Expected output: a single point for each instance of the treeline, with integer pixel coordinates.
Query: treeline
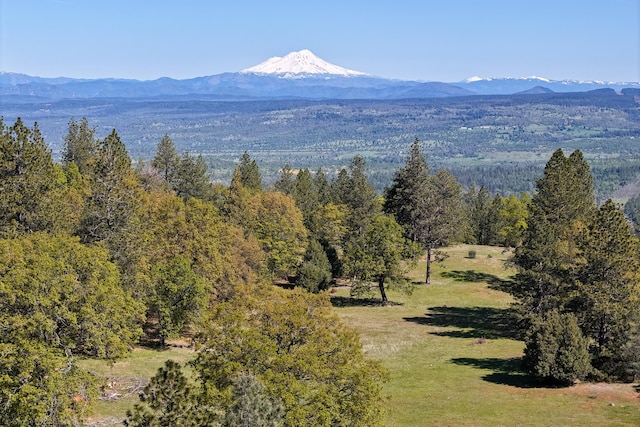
(95, 255)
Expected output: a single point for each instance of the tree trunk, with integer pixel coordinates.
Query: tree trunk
(428, 278)
(383, 294)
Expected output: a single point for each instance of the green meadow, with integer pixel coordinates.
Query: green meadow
(451, 352)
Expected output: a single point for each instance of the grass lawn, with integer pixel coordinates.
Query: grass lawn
(126, 378)
(454, 362)
(450, 351)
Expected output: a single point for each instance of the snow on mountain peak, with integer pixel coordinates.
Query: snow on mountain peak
(474, 79)
(299, 63)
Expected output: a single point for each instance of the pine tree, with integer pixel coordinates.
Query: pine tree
(27, 180)
(192, 178)
(284, 184)
(170, 401)
(166, 160)
(111, 204)
(406, 197)
(305, 195)
(323, 190)
(252, 406)
(608, 279)
(429, 207)
(79, 145)
(249, 173)
(360, 198)
(560, 208)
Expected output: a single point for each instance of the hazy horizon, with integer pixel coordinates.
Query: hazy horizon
(407, 40)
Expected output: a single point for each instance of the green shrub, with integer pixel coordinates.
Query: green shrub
(314, 274)
(556, 351)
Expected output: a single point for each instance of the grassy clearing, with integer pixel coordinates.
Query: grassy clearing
(450, 351)
(454, 361)
(125, 379)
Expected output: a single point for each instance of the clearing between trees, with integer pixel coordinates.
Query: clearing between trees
(451, 350)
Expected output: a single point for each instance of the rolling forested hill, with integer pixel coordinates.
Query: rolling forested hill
(497, 141)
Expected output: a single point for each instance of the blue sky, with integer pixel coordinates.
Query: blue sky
(443, 40)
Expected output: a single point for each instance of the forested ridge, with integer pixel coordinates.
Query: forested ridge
(499, 142)
(97, 255)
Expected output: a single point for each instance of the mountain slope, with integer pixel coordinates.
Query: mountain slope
(298, 75)
(300, 64)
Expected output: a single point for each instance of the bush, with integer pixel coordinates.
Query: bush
(315, 272)
(556, 350)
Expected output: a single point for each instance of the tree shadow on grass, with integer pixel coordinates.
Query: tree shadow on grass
(492, 280)
(474, 322)
(339, 301)
(505, 371)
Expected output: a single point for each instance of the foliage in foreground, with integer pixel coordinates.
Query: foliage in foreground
(299, 353)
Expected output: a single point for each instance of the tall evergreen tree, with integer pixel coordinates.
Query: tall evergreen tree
(360, 197)
(323, 190)
(111, 212)
(341, 188)
(284, 184)
(166, 160)
(110, 206)
(27, 179)
(607, 284)
(428, 206)
(481, 220)
(191, 179)
(560, 208)
(79, 145)
(305, 195)
(406, 197)
(249, 173)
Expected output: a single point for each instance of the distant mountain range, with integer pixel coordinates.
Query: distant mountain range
(298, 75)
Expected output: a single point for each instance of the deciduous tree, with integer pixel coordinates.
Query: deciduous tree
(377, 256)
(294, 344)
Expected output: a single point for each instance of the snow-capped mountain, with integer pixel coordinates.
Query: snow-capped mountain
(298, 75)
(512, 85)
(300, 64)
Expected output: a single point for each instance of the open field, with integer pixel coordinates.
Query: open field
(451, 353)
(454, 361)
